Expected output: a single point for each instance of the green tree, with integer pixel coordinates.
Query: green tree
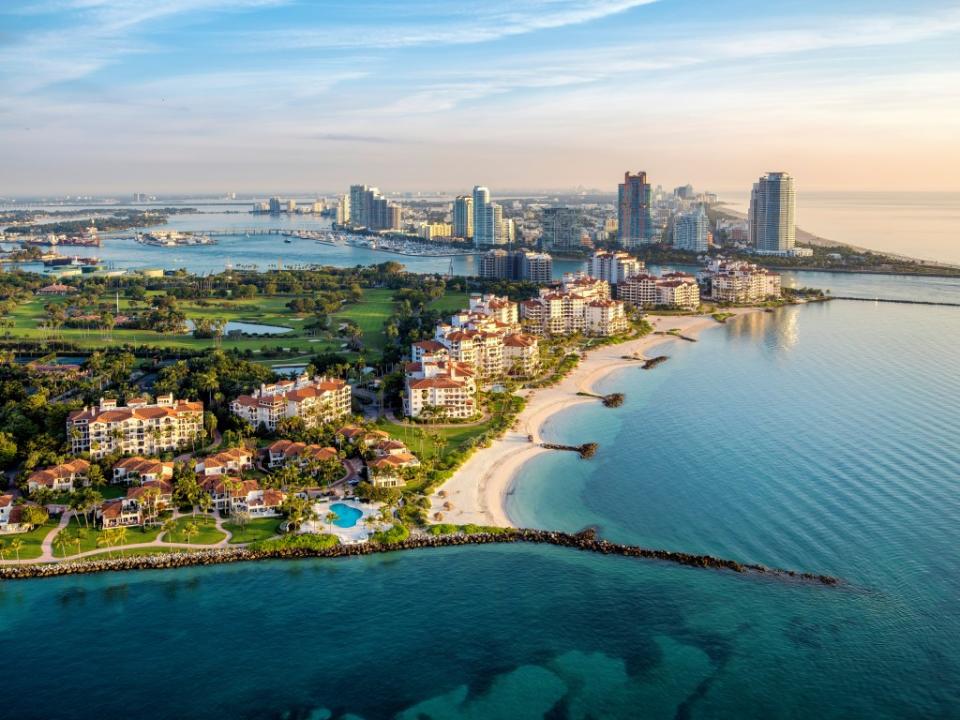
(8, 449)
(33, 515)
(16, 545)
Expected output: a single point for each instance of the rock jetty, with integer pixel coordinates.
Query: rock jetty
(586, 541)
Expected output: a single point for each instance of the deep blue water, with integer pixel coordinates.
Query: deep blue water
(820, 438)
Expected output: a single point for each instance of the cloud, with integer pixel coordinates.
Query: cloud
(484, 23)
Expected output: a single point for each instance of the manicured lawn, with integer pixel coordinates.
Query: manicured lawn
(263, 310)
(369, 314)
(257, 529)
(450, 302)
(208, 533)
(31, 541)
(89, 538)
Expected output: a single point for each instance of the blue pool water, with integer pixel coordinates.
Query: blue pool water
(347, 516)
(822, 438)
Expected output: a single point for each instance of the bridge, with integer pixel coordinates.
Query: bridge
(892, 300)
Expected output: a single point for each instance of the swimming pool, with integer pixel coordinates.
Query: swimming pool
(347, 516)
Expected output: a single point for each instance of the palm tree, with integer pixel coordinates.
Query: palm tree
(331, 517)
(76, 541)
(190, 532)
(60, 543)
(206, 503)
(105, 539)
(121, 537)
(3, 548)
(167, 527)
(16, 545)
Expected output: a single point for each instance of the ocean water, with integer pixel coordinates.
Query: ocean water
(821, 438)
(916, 224)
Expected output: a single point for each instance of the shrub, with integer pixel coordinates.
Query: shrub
(396, 534)
(305, 541)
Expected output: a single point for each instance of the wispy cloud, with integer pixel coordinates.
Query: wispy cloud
(484, 23)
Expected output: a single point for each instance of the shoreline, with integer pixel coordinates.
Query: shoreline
(586, 541)
(478, 491)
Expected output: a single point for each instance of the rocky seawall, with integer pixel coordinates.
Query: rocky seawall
(586, 541)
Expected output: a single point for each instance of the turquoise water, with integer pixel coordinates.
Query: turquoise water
(347, 516)
(822, 438)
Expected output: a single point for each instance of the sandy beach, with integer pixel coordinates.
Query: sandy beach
(477, 492)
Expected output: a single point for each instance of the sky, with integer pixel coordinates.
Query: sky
(169, 96)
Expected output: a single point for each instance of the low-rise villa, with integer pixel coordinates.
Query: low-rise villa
(141, 470)
(120, 513)
(356, 435)
(283, 452)
(141, 503)
(392, 456)
(10, 516)
(60, 478)
(232, 495)
(225, 462)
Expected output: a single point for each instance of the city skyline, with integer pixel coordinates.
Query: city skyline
(111, 96)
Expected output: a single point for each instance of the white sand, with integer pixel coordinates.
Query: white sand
(477, 491)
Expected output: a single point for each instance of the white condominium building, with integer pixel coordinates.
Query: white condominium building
(741, 282)
(499, 308)
(615, 267)
(605, 318)
(585, 286)
(440, 389)
(678, 290)
(674, 290)
(139, 427)
(521, 354)
(317, 400)
(581, 305)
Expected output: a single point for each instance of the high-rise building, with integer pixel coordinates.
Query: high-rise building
(517, 265)
(343, 210)
(463, 217)
(772, 212)
(635, 222)
(396, 216)
(684, 192)
(275, 206)
(690, 230)
(562, 229)
(487, 219)
(371, 210)
(615, 267)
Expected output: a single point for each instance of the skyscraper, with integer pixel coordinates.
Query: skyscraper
(633, 210)
(463, 217)
(690, 230)
(370, 209)
(772, 212)
(487, 219)
(562, 229)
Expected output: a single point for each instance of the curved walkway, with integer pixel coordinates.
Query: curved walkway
(389, 414)
(46, 546)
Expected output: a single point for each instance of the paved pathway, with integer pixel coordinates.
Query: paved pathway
(46, 554)
(46, 547)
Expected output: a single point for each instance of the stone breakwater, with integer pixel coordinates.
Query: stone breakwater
(586, 541)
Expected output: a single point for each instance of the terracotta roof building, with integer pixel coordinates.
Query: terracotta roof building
(139, 427)
(317, 401)
(60, 478)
